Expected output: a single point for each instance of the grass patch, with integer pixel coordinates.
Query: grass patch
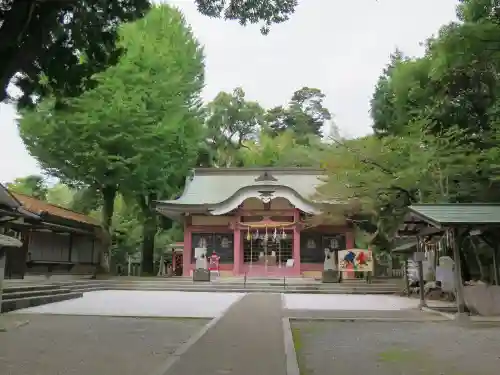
(398, 355)
(297, 343)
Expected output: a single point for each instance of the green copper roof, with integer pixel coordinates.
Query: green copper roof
(209, 186)
(470, 213)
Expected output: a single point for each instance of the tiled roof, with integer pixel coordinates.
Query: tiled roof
(215, 185)
(39, 207)
(464, 213)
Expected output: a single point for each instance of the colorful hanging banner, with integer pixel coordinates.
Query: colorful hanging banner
(360, 260)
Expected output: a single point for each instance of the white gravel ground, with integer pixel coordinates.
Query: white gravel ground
(142, 303)
(351, 302)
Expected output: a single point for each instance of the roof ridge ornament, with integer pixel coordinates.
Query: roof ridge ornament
(266, 176)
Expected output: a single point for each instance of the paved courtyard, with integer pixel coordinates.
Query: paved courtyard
(139, 332)
(389, 348)
(84, 345)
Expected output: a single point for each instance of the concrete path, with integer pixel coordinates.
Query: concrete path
(247, 340)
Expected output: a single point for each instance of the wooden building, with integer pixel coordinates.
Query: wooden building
(54, 240)
(254, 220)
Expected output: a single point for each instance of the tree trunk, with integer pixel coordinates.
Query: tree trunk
(149, 228)
(108, 196)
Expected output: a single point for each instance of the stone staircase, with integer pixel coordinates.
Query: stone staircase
(18, 295)
(269, 285)
(23, 296)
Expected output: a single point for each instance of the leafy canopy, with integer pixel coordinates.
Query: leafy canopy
(149, 101)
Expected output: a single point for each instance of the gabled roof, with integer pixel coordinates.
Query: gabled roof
(458, 213)
(7, 199)
(42, 208)
(212, 186)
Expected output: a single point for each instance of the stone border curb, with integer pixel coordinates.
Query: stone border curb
(174, 357)
(443, 314)
(292, 366)
(367, 319)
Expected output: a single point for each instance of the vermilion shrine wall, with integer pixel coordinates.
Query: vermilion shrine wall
(220, 227)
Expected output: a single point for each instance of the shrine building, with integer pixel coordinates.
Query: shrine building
(254, 220)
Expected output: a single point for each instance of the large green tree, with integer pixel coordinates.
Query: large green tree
(436, 128)
(137, 132)
(231, 120)
(32, 185)
(266, 12)
(305, 115)
(54, 47)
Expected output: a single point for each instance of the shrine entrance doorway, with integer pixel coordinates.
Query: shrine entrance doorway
(268, 256)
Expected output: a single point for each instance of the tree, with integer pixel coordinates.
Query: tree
(246, 12)
(231, 120)
(33, 185)
(281, 151)
(55, 47)
(436, 122)
(137, 132)
(378, 178)
(305, 115)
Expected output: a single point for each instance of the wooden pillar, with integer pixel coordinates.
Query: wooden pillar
(419, 257)
(188, 247)
(496, 276)
(2, 271)
(459, 287)
(296, 242)
(237, 255)
(70, 246)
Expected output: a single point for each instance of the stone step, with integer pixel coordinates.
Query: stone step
(219, 287)
(29, 288)
(22, 303)
(9, 294)
(214, 283)
(240, 289)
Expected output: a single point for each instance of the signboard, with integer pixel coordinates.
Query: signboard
(359, 260)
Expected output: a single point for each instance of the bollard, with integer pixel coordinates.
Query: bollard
(245, 281)
(284, 282)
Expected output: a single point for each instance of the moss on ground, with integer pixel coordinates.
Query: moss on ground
(297, 343)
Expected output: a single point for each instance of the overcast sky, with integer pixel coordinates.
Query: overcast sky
(337, 46)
